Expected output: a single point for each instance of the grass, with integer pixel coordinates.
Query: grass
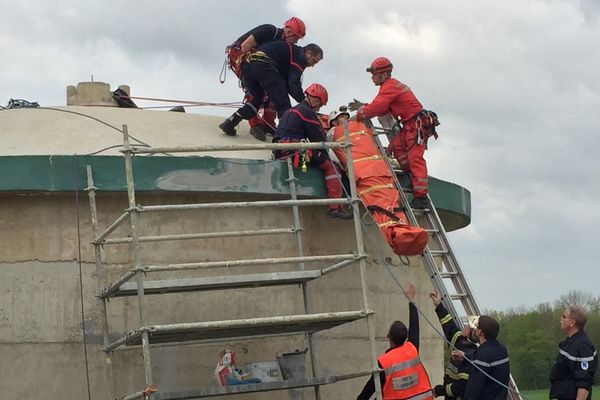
(542, 394)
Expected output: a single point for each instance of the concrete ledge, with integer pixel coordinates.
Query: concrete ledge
(53, 173)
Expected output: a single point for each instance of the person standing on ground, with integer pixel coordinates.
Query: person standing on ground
(457, 372)
(403, 376)
(490, 375)
(573, 372)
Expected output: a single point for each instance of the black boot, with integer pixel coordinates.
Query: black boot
(258, 132)
(228, 126)
(419, 203)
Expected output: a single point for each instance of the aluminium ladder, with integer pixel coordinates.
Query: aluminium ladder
(439, 259)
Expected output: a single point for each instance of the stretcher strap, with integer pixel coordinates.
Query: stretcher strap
(369, 158)
(376, 187)
(341, 139)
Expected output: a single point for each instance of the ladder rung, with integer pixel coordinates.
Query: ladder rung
(437, 253)
(448, 274)
(432, 231)
(458, 296)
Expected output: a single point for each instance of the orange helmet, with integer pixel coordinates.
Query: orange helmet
(380, 64)
(296, 26)
(318, 91)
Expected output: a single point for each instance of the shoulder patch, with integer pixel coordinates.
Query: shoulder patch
(585, 365)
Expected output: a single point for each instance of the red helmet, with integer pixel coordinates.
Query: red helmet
(380, 64)
(296, 26)
(318, 91)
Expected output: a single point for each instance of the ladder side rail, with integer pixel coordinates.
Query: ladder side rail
(450, 259)
(430, 265)
(135, 247)
(302, 267)
(363, 265)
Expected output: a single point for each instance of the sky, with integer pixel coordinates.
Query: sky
(515, 83)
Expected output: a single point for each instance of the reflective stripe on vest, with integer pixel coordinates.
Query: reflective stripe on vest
(492, 364)
(573, 358)
(402, 365)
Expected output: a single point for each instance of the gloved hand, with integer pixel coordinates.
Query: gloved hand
(439, 390)
(354, 105)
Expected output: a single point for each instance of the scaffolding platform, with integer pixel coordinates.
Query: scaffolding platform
(240, 328)
(219, 282)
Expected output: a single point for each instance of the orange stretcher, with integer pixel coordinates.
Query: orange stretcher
(377, 190)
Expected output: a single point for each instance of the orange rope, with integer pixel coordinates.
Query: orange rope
(198, 103)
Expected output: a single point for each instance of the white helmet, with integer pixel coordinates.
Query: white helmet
(335, 114)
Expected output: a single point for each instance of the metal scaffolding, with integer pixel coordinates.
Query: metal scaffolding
(133, 283)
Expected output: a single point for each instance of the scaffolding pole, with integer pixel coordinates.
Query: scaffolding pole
(263, 146)
(135, 247)
(302, 267)
(363, 265)
(100, 279)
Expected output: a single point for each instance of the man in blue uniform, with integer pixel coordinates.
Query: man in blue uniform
(457, 372)
(292, 31)
(573, 372)
(490, 357)
(274, 69)
(301, 123)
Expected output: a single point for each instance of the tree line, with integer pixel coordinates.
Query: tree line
(532, 336)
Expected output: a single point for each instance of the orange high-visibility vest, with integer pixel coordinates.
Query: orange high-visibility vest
(405, 376)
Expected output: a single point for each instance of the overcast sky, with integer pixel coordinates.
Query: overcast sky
(516, 85)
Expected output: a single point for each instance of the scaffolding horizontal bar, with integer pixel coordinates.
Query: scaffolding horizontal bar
(248, 262)
(244, 204)
(256, 387)
(210, 330)
(111, 228)
(211, 235)
(219, 282)
(257, 146)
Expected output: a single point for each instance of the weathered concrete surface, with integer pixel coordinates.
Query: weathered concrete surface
(40, 302)
(76, 130)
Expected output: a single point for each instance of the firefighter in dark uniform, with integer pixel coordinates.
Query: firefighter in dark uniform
(401, 361)
(572, 375)
(292, 31)
(274, 69)
(457, 372)
(490, 357)
(301, 123)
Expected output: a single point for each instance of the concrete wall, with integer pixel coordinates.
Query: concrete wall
(40, 297)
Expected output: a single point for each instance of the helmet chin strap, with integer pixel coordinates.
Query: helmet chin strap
(310, 102)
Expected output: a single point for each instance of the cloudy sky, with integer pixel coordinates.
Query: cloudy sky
(516, 85)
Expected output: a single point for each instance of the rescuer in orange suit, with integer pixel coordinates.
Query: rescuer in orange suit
(293, 30)
(408, 147)
(302, 124)
(403, 376)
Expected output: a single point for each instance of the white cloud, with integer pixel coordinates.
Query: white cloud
(515, 85)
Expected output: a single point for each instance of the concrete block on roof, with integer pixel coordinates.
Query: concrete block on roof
(92, 94)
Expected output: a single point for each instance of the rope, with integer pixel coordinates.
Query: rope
(85, 351)
(236, 104)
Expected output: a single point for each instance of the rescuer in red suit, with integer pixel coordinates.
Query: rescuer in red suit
(407, 146)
